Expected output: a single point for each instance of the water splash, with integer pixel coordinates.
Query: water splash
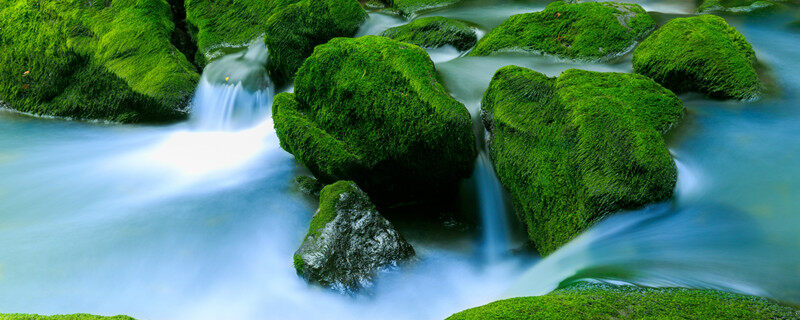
(235, 91)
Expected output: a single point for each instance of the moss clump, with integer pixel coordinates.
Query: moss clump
(309, 185)
(411, 7)
(737, 6)
(588, 301)
(591, 30)
(701, 53)
(225, 23)
(78, 316)
(294, 31)
(374, 111)
(93, 60)
(329, 202)
(434, 32)
(574, 148)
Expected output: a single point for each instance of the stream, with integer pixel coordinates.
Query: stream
(200, 219)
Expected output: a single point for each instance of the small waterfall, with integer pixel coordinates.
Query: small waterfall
(235, 91)
(496, 239)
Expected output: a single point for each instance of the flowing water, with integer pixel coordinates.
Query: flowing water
(199, 220)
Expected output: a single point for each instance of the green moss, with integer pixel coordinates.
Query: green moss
(411, 7)
(90, 60)
(575, 148)
(737, 6)
(587, 301)
(701, 53)
(434, 32)
(294, 31)
(78, 316)
(591, 30)
(374, 111)
(309, 185)
(329, 198)
(226, 23)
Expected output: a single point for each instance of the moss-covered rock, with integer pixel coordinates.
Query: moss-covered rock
(294, 31)
(411, 7)
(348, 241)
(77, 316)
(374, 111)
(596, 301)
(591, 30)
(291, 28)
(93, 60)
(702, 54)
(216, 24)
(434, 32)
(737, 6)
(575, 148)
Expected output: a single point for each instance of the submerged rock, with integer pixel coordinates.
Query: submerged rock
(435, 32)
(591, 30)
(348, 241)
(575, 148)
(373, 110)
(294, 31)
(309, 185)
(702, 54)
(96, 60)
(600, 301)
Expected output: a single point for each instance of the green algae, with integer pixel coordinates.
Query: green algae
(434, 32)
(597, 301)
(575, 148)
(702, 54)
(590, 30)
(373, 110)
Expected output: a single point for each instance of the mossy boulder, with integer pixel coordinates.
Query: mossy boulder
(94, 60)
(598, 301)
(590, 30)
(702, 54)
(411, 7)
(293, 32)
(373, 110)
(77, 316)
(291, 28)
(217, 24)
(348, 241)
(310, 186)
(435, 32)
(575, 148)
(737, 6)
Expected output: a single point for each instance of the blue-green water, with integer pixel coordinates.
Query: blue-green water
(188, 222)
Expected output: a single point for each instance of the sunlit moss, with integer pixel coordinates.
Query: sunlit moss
(595, 301)
(575, 148)
(411, 7)
(701, 53)
(590, 30)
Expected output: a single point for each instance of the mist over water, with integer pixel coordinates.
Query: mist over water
(199, 220)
